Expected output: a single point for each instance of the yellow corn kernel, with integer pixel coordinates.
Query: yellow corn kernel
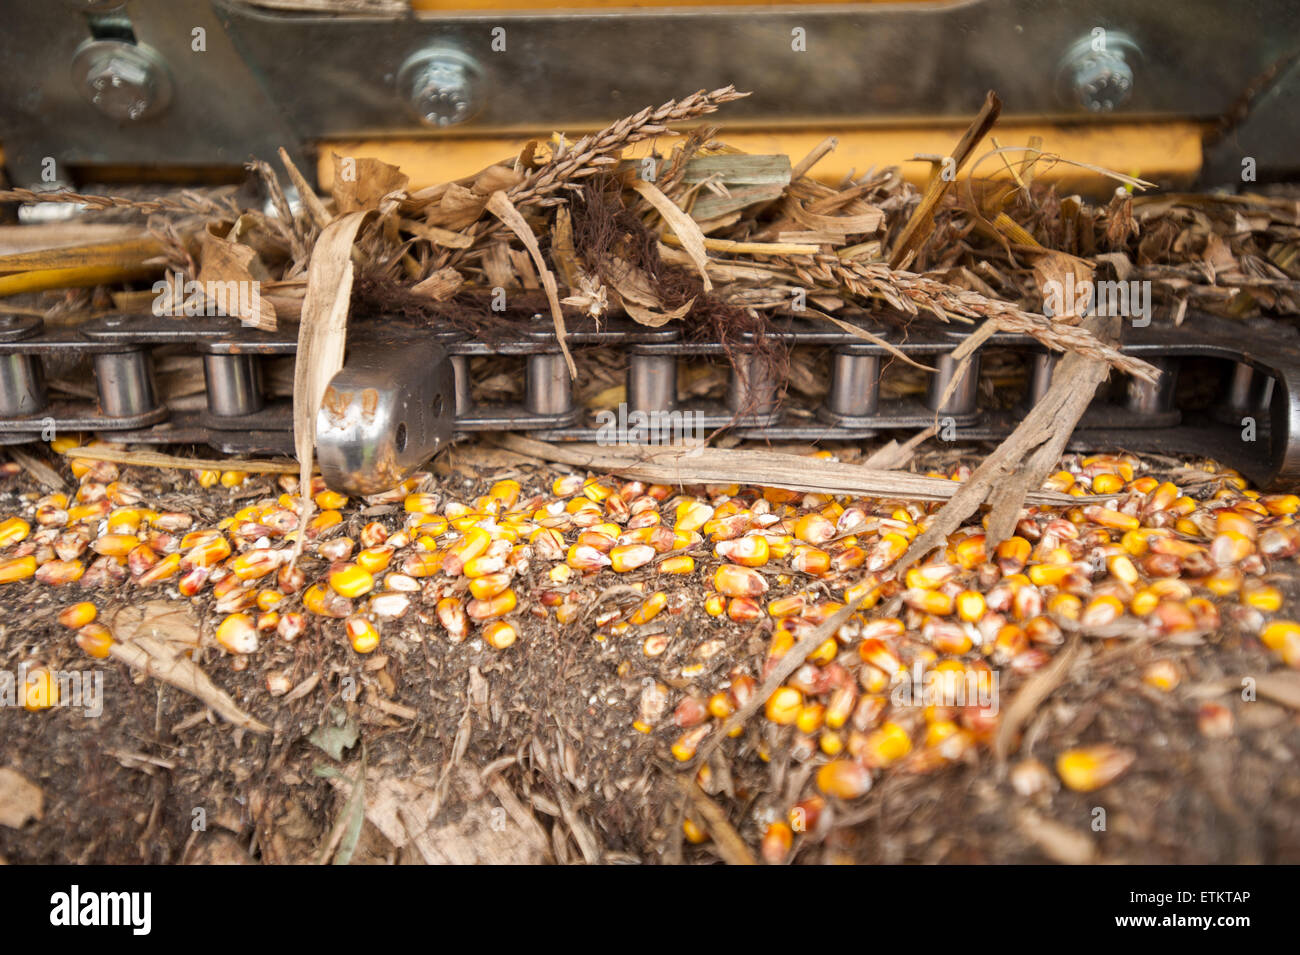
(1012, 554)
(747, 551)
(810, 560)
(95, 640)
(375, 559)
(1049, 575)
(1107, 484)
(677, 564)
(692, 515)
(1264, 597)
(269, 599)
(352, 581)
(474, 542)
(814, 529)
(495, 606)
(784, 705)
(165, 569)
(1122, 569)
(434, 525)
(971, 551)
(489, 585)
(627, 557)
(323, 522)
(1162, 674)
(254, 564)
(1279, 633)
(13, 530)
(1144, 485)
(715, 605)
(971, 605)
(41, 690)
(1060, 481)
(787, 606)
(362, 634)
(55, 573)
(736, 581)
(810, 719)
(1092, 767)
(1108, 517)
(933, 602)
(1102, 610)
(649, 608)
(317, 599)
(66, 443)
(328, 500)
(233, 478)
(499, 634)
(238, 633)
(1281, 504)
(88, 512)
(689, 742)
(720, 705)
(885, 745)
(207, 478)
(1065, 605)
(844, 779)
(78, 615)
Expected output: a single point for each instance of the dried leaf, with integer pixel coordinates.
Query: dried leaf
(501, 207)
(685, 228)
(229, 267)
(361, 185)
(20, 799)
(322, 336)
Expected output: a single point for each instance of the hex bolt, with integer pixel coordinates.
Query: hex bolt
(124, 81)
(442, 87)
(1096, 72)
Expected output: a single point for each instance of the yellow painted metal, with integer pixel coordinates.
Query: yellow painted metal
(1165, 152)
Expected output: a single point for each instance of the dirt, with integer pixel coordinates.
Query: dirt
(529, 754)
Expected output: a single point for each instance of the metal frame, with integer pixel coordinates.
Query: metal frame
(270, 78)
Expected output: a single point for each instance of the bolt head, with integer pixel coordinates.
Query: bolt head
(121, 80)
(442, 87)
(1103, 82)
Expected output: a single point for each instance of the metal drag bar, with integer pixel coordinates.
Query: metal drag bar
(414, 368)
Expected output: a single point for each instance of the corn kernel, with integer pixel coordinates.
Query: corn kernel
(1092, 767)
(237, 633)
(78, 615)
(677, 564)
(41, 690)
(352, 581)
(784, 705)
(362, 634)
(844, 779)
(95, 640)
(13, 531)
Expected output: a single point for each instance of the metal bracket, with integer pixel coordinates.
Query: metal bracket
(384, 414)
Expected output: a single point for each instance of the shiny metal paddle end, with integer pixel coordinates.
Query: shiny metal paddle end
(387, 411)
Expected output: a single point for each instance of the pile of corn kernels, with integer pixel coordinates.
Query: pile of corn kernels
(778, 562)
